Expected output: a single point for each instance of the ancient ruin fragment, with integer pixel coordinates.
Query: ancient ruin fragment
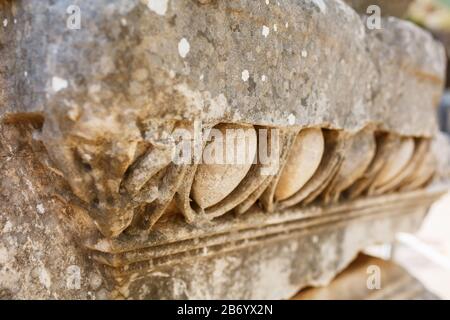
(337, 123)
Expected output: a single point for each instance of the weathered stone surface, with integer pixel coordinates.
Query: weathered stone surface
(89, 118)
(300, 248)
(398, 62)
(320, 65)
(40, 234)
(112, 92)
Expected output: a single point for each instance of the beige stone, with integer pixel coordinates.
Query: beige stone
(421, 151)
(303, 161)
(423, 174)
(396, 162)
(357, 151)
(213, 182)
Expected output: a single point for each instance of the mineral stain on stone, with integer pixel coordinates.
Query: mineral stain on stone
(158, 6)
(245, 75)
(183, 47)
(265, 31)
(59, 84)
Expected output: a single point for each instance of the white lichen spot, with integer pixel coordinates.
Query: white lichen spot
(123, 22)
(265, 31)
(159, 274)
(25, 74)
(275, 27)
(40, 208)
(287, 25)
(59, 84)
(158, 6)
(263, 78)
(183, 47)
(267, 2)
(15, 21)
(245, 75)
(291, 119)
(5, 23)
(304, 53)
(201, 77)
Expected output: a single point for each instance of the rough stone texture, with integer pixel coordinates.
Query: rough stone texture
(111, 92)
(40, 252)
(256, 257)
(320, 65)
(42, 236)
(86, 122)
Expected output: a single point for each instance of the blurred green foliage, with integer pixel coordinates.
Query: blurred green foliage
(445, 2)
(431, 14)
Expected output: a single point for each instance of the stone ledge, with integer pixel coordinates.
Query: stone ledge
(311, 257)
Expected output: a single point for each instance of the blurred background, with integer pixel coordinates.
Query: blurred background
(431, 14)
(426, 255)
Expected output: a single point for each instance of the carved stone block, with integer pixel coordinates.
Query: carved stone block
(105, 131)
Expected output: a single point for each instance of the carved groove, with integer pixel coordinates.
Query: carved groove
(350, 165)
(147, 257)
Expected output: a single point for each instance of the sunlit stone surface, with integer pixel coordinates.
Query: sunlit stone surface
(91, 203)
